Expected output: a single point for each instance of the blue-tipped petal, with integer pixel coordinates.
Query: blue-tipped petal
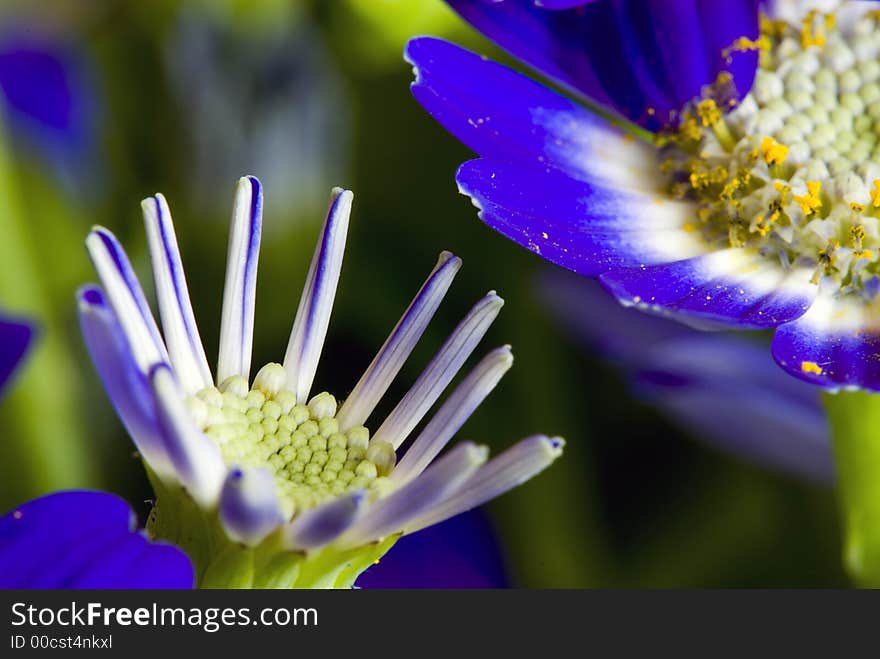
(644, 59)
(397, 347)
(178, 321)
(729, 288)
(249, 506)
(314, 528)
(728, 392)
(587, 227)
(15, 337)
(504, 115)
(82, 539)
(835, 345)
(313, 314)
(124, 382)
(240, 289)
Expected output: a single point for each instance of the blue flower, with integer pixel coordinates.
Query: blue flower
(48, 97)
(719, 387)
(289, 487)
(754, 204)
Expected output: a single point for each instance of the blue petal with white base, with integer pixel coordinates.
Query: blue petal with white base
(641, 58)
(836, 344)
(584, 226)
(83, 539)
(728, 288)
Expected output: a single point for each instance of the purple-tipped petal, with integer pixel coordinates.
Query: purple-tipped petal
(729, 288)
(514, 467)
(644, 59)
(124, 382)
(587, 227)
(197, 462)
(178, 321)
(321, 525)
(440, 371)
(729, 393)
(397, 348)
(316, 303)
(451, 416)
(249, 506)
(835, 344)
(82, 539)
(503, 115)
(560, 4)
(16, 335)
(240, 289)
(126, 298)
(393, 513)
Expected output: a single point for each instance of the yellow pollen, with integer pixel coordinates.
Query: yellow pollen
(773, 152)
(708, 112)
(875, 194)
(810, 202)
(689, 227)
(810, 34)
(744, 44)
(857, 208)
(811, 367)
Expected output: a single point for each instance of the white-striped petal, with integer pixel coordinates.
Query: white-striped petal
(316, 303)
(197, 461)
(126, 297)
(249, 507)
(452, 414)
(397, 348)
(515, 466)
(240, 288)
(439, 373)
(393, 513)
(182, 338)
(321, 525)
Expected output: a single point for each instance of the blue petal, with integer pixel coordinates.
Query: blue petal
(461, 552)
(504, 115)
(729, 392)
(82, 539)
(834, 345)
(727, 288)
(15, 337)
(249, 506)
(643, 58)
(587, 227)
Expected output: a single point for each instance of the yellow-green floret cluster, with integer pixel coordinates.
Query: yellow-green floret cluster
(794, 169)
(302, 445)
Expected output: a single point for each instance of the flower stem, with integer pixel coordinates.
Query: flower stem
(855, 429)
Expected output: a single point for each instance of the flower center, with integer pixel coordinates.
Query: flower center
(794, 170)
(301, 445)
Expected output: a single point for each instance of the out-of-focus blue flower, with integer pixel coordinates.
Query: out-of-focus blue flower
(15, 337)
(722, 388)
(48, 98)
(462, 552)
(83, 540)
(754, 205)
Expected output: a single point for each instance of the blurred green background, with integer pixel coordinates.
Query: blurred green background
(185, 97)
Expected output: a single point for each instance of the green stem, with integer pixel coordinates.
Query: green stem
(855, 430)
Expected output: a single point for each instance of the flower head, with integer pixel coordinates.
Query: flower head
(288, 487)
(751, 206)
